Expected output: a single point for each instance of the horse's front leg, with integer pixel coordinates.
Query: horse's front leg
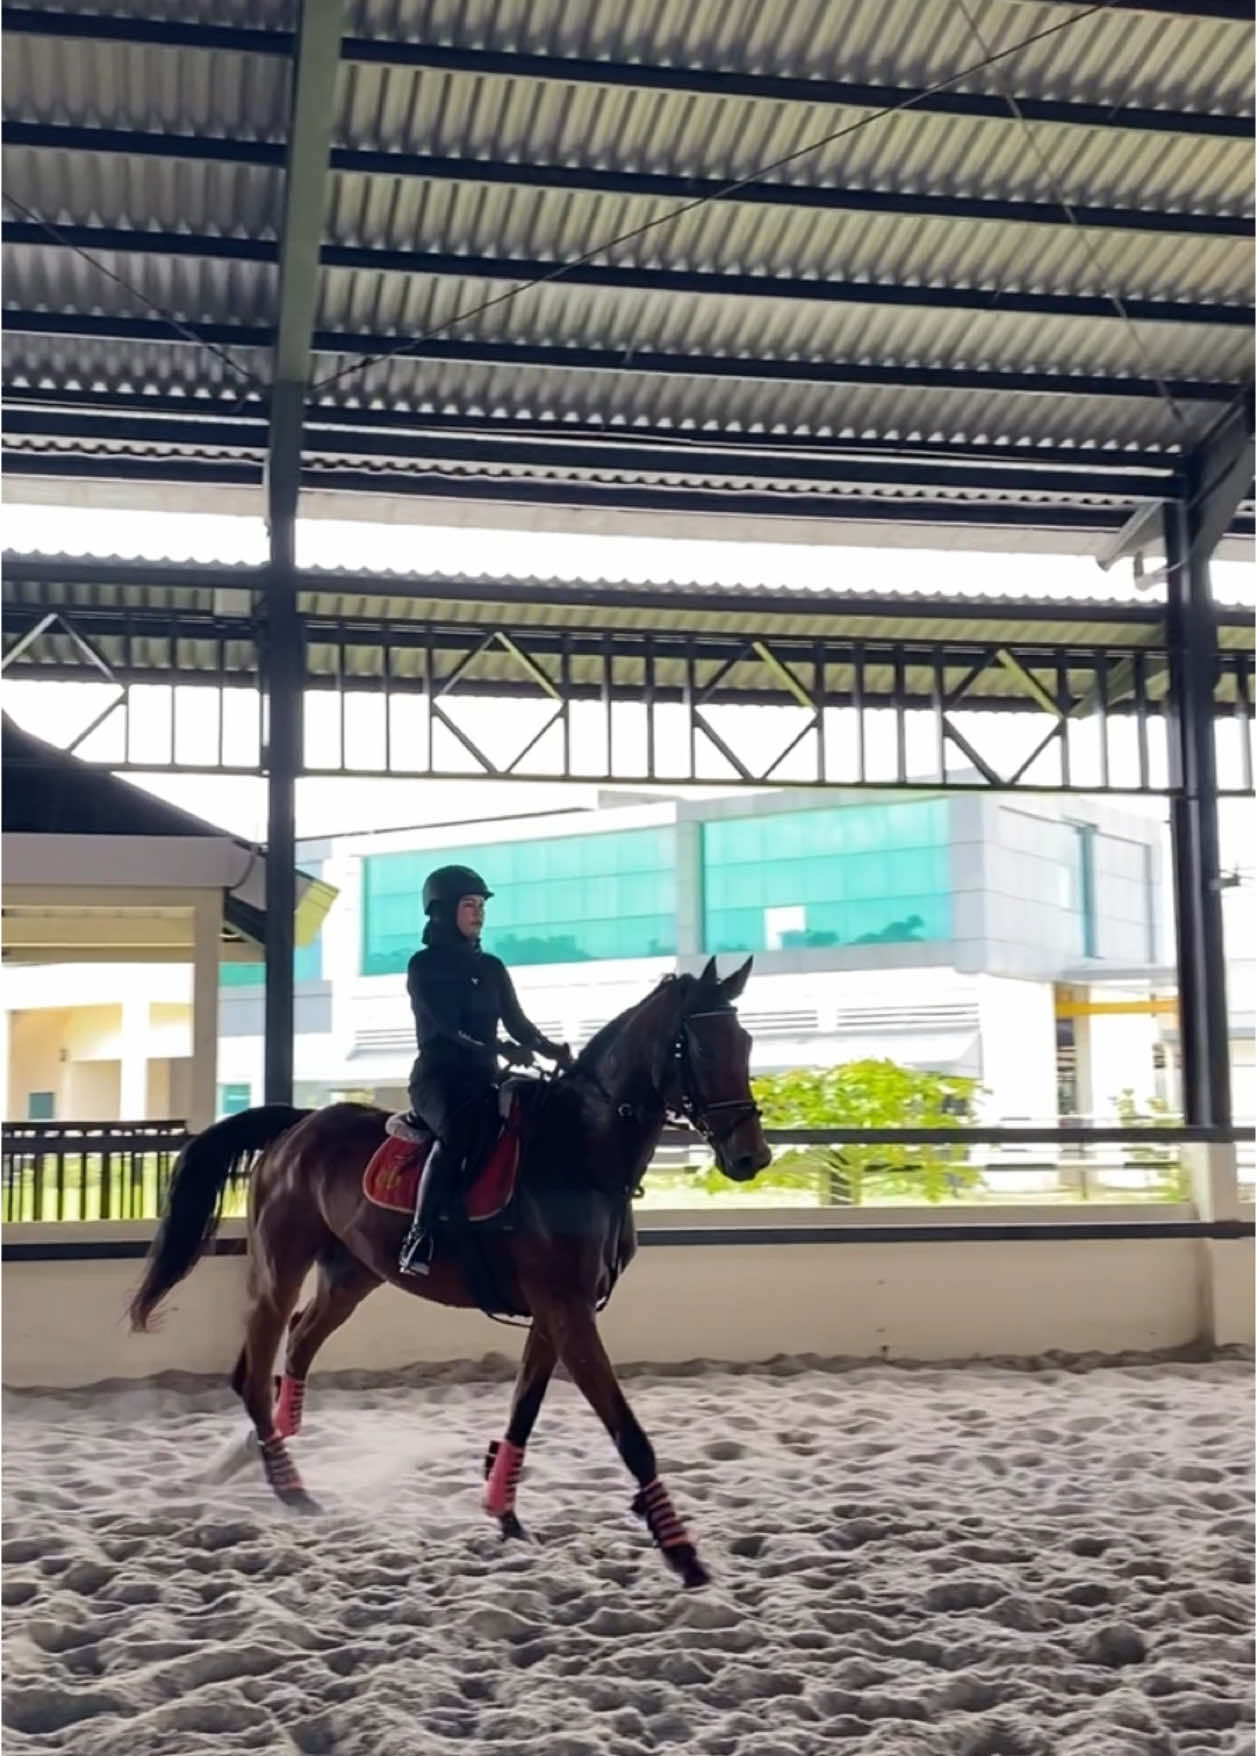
(505, 1457)
(581, 1351)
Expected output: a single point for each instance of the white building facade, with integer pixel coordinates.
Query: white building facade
(1015, 940)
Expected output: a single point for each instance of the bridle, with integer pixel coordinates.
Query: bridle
(692, 1112)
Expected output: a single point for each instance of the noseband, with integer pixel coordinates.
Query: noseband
(691, 1111)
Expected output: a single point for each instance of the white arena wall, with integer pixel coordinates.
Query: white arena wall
(940, 1298)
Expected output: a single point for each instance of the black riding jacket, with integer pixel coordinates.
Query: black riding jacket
(459, 995)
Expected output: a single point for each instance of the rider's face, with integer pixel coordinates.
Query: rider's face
(470, 916)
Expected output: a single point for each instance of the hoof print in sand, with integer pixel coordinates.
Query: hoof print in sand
(881, 1589)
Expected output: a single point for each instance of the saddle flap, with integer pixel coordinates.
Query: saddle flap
(391, 1178)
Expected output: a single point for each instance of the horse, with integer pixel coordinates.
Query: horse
(587, 1137)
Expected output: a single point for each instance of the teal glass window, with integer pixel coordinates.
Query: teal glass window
(567, 899)
(41, 1106)
(846, 875)
(232, 1099)
(307, 960)
(1086, 887)
(307, 966)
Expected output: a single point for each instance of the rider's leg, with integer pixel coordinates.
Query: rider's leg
(462, 1113)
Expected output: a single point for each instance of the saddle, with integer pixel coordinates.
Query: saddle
(391, 1178)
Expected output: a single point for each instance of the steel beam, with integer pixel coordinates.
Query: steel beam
(1192, 637)
(618, 277)
(1142, 530)
(314, 78)
(428, 662)
(638, 361)
(1222, 471)
(637, 185)
(282, 666)
(527, 68)
(526, 491)
(675, 439)
(1230, 11)
(69, 572)
(618, 449)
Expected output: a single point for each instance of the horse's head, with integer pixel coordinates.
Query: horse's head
(710, 1079)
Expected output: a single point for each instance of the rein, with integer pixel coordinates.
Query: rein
(691, 1112)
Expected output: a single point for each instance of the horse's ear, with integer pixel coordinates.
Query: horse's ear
(709, 976)
(732, 986)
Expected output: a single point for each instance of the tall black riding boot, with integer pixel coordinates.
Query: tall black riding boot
(438, 1175)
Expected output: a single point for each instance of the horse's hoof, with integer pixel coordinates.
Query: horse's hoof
(683, 1559)
(299, 1501)
(512, 1529)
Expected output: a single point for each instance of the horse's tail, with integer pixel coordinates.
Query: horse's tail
(194, 1204)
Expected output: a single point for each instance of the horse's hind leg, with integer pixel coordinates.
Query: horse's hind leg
(283, 1245)
(266, 1324)
(581, 1350)
(505, 1458)
(343, 1284)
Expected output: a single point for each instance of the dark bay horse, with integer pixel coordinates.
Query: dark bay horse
(588, 1137)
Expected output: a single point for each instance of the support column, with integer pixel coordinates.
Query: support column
(205, 954)
(1191, 631)
(283, 675)
(316, 57)
(1192, 527)
(133, 1060)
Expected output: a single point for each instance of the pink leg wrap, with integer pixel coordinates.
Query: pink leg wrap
(499, 1494)
(292, 1396)
(281, 1471)
(656, 1508)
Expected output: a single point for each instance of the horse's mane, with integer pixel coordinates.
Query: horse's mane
(610, 1032)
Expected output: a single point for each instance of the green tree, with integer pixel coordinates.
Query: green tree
(1172, 1182)
(866, 1094)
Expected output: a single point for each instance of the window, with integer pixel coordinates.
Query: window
(850, 875)
(569, 899)
(232, 1099)
(41, 1106)
(307, 966)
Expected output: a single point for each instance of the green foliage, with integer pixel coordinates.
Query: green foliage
(1173, 1183)
(865, 1094)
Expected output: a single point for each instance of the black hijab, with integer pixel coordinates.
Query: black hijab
(441, 934)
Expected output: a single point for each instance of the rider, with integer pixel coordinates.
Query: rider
(458, 994)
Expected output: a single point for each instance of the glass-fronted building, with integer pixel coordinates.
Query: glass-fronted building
(561, 899)
(962, 932)
(808, 880)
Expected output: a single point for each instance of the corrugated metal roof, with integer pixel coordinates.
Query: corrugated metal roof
(51, 581)
(478, 116)
(1112, 57)
(403, 306)
(468, 218)
(732, 406)
(485, 112)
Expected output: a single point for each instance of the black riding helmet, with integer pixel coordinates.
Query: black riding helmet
(448, 885)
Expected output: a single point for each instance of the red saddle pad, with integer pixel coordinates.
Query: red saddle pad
(391, 1179)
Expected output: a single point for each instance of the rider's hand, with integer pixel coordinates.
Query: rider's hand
(561, 1055)
(515, 1055)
